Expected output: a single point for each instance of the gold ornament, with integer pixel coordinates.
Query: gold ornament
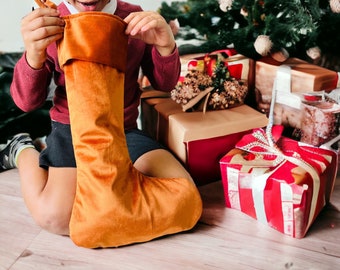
(280, 55)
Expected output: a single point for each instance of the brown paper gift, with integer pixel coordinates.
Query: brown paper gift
(149, 116)
(309, 116)
(305, 78)
(200, 140)
(154, 113)
(164, 110)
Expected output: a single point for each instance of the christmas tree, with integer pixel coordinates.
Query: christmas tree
(307, 29)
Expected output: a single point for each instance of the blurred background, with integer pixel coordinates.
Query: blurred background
(12, 11)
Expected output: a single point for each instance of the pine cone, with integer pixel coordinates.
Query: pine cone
(194, 82)
(234, 94)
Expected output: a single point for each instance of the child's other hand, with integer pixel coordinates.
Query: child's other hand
(152, 28)
(39, 29)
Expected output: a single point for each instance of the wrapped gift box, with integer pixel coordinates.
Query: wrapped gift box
(200, 140)
(312, 117)
(164, 110)
(319, 122)
(239, 66)
(195, 93)
(191, 136)
(285, 188)
(233, 61)
(148, 115)
(305, 78)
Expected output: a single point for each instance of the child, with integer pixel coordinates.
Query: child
(48, 179)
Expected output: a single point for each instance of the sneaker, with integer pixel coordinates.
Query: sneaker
(2, 147)
(14, 146)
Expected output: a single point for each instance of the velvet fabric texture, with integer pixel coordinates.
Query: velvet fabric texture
(115, 204)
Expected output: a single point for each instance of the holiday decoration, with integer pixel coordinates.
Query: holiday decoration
(293, 27)
(285, 185)
(263, 45)
(280, 55)
(314, 53)
(335, 5)
(225, 5)
(194, 83)
(208, 85)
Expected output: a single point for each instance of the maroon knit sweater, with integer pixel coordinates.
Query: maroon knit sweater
(29, 88)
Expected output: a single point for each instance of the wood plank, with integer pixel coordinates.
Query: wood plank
(323, 236)
(205, 248)
(17, 229)
(224, 239)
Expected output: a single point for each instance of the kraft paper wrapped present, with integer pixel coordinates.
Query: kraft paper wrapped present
(285, 185)
(200, 140)
(312, 117)
(164, 110)
(305, 78)
(149, 116)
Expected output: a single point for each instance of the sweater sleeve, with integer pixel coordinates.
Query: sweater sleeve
(29, 88)
(162, 71)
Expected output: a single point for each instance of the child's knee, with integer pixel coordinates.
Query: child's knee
(53, 221)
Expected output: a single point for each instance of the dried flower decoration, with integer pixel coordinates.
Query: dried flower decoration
(203, 91)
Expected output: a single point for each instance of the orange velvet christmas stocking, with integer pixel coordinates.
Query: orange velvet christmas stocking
(114, 204)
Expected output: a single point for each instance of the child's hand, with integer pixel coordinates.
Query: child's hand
(39, 29)
(152, 28)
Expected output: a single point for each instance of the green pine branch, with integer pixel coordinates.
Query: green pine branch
(295, 25)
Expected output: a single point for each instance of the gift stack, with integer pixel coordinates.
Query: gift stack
(303, 105)
(200, 139)
(277, 180)
(305, 78)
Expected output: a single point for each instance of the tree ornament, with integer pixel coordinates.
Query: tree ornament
(314, 53)
(244, 11)
(225, 5)
(263, 45)
(280, 55)
(335, 5)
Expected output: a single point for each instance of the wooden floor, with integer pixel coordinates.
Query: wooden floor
(223, 239)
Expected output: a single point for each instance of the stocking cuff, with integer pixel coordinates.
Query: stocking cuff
(104, 32)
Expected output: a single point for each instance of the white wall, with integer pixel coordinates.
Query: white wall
(11, 12)
(148, 4)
